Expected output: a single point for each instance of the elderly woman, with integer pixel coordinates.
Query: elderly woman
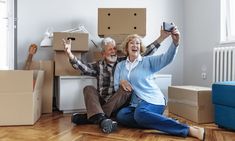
(147, 105)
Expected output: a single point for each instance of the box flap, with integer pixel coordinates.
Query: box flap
(38, 77)
(37, 104)
(48, 84)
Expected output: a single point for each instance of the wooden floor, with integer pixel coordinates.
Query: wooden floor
(57, 127)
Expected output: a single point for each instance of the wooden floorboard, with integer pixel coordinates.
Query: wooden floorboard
(57, 127)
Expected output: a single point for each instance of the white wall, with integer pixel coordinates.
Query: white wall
(34, 17)
(201, 35)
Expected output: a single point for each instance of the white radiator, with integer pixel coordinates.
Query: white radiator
(224, 64)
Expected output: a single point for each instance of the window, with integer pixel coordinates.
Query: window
(227, 21)
(7, 56)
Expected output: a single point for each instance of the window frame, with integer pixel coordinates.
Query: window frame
(10, 35)
(226, 36)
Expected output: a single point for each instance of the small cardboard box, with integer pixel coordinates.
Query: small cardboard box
(20, 96)
(63, 66)
(191, 102)
(121, 21)
(79, 41)
(48, 84)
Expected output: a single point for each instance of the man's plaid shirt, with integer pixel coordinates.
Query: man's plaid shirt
(105, 72)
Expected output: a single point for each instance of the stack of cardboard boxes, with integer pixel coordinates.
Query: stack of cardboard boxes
(63, 69)
(79, 45)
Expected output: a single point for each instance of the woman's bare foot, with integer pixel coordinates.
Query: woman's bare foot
(197, 132)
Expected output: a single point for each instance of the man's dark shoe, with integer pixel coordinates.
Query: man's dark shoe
(108, 125)
(77, 118)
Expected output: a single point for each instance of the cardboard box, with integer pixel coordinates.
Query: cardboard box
(96, 56)
(191, 102)
(48, 84)
(20, 96)
(113, 21)
(79, 41)
(63, 66)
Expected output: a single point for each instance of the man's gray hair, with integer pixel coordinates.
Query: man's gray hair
(106, 41)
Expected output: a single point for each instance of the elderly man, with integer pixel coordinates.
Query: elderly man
(103, 101)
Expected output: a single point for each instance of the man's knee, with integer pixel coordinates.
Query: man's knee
(89, 90)
(123, 93)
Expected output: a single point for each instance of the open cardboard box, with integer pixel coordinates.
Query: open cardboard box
(20, 96)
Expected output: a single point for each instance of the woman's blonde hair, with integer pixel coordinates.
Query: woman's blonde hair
(128, 39)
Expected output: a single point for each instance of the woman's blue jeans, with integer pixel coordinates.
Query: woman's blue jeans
(150, 116)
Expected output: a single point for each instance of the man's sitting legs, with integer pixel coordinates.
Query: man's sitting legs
(95, 114)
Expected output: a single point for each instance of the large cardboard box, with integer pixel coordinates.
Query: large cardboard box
(79, 40)
(20, 96)
(48, 84)
(63, 66)
(191, 102)
(121, 21)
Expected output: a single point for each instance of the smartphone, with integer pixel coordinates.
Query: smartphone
(168, 26)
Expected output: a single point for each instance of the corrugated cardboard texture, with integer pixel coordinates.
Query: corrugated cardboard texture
(63, 66)
(47, 90)
(79, 41)
(121, 21)
(20, 106)
(191, 102)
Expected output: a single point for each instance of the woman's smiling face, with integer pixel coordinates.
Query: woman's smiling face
(134, 48)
